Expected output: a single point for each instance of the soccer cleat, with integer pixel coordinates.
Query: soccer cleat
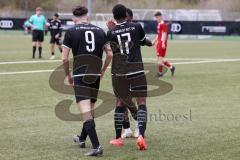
(158, 75)
(52, 57)
(76, 139)
(141, 143)
(172, 70)
(117, 142)
(136, 132)
(95, 152)
(127, 133)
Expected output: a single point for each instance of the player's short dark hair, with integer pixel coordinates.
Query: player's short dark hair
(79, 11)
(119, 12)
(56, 15)
(158, 14)
(129, 12)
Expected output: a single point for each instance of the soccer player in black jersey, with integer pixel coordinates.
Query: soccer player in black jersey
(128, 77)
(56, 33)
(87, 43)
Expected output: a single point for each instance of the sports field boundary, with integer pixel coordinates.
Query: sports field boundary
(147, 59)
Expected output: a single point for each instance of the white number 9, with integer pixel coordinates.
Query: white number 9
(90, 41)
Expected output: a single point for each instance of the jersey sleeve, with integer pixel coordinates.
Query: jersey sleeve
(142, 33)
(67, 42)
(163, 28)
(60, 28)
(31, 19)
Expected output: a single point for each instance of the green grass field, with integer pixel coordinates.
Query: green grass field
(210, 92)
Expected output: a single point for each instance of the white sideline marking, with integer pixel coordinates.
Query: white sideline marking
(176, 63)
(30, 62)
(151, 59)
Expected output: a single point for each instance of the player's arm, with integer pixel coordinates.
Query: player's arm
(108, 59)
(65, 54)
(154, 41)
(30, 22)
(164, 36)
(143, 38)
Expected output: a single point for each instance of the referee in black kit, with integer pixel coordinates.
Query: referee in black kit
(87, 43)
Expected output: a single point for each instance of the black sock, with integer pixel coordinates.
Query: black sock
(118, 120)
(40, 51)
(53, 53)
(33, 51)
(142, 119)
(91, 131)
(83, 135)
(133, 110)
(126, 124)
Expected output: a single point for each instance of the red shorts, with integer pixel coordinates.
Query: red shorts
(160, 51)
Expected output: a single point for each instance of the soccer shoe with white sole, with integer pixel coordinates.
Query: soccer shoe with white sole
(117, 142)
(136, 132)
(141, 143)
(76, 139)
(127, 133)
(95, 152)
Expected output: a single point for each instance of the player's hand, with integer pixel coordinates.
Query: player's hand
(57, 36)
(34, 27)
(163, 46)
(70, 80)
(110, 24)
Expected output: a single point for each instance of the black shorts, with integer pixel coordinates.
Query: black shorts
(130, 86)
(37, 36)
(54, 40)
(86, 87)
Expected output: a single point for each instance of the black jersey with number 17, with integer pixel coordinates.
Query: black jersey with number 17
(85, 39)
(126, 39)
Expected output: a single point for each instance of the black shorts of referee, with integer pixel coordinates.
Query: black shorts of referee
(37, 36)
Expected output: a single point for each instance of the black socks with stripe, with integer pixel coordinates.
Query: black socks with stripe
(118, 120)
(142, 119)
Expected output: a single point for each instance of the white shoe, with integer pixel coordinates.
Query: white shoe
(127, 133)
(136, 132)
(52, 57)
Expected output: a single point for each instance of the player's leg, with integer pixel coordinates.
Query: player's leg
(40, 49)
(89, 126)
(142, 122)
(52, 48)
(118, 122)
(34, 43)
(40, 40)
(133, 110)
(59, 44)
(81, 138)
(139, 90)
(160, 65)
(169, 66)
(127, 133)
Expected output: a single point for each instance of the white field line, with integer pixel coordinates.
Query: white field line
(150, 59)
(176, 63)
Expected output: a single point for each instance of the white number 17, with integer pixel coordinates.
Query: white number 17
(126, 42)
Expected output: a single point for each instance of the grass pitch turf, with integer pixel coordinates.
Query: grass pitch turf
(206, 93)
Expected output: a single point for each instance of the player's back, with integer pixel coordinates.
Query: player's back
(84, 39)
(125, 40)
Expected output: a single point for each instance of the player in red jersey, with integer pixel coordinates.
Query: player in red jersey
(161, 40)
